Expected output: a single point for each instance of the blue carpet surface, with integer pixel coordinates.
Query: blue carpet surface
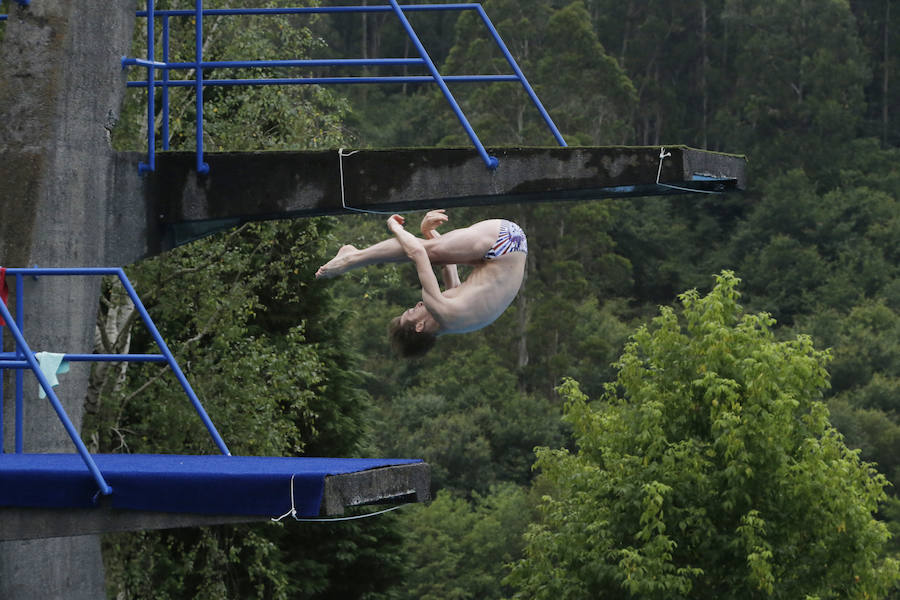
(217, 484)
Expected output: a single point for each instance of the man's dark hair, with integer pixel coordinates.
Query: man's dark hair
(407, 342)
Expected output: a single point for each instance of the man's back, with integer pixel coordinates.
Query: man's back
(484, 295)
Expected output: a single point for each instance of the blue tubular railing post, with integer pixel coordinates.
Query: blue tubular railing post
(165, 87)
(150, 165)
(490, 161)
(202, 167)
(148, 322)
(515, 67)
(57, 406)
(20, 376)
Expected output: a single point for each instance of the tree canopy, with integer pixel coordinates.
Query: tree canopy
(708, 468)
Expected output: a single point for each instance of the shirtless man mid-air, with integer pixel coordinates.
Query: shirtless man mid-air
(496, 249)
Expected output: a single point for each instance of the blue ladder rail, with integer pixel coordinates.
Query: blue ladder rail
(424, 60)
(24, 359)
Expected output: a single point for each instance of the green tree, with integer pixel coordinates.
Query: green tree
(798, 94)
(466, 418)
(239, 312)
(464, 546)
(675, 55)
(804, 250)
(577, 276)
(708, 469)
(878, 22)
(865, 400)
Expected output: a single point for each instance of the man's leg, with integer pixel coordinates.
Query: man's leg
(463, 246)
(457, 247)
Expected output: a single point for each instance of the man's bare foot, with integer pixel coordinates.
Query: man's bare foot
(337, 265)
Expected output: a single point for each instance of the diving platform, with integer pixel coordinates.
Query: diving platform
(44, 495)
(53, 495)
(246, 186)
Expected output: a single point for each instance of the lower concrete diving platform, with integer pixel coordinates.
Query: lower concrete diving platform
(59, 495)
(53, 495)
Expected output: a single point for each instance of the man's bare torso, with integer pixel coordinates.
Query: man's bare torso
(488, 290)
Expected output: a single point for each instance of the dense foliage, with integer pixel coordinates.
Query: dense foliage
(290, 365)
(708, 468)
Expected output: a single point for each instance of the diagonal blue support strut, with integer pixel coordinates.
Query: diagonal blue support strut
(139, 306)
(520, 75)
(24, 358)
(20, 376)
(105, 489)
(490, 161)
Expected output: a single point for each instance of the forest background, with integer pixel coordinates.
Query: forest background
(289, 365)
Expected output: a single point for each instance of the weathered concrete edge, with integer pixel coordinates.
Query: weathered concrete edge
(257, 185)
(411, 483)
(39, 523)
(715, 164)
(396, 484)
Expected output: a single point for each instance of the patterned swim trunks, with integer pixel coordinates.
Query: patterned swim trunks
(510, 239)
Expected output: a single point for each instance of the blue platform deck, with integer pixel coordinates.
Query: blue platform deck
(216, 484)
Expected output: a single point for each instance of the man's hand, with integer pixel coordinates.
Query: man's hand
(432, 221)
(395, 223)
(411, 244)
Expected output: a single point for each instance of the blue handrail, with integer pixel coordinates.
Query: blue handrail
(24, 359)
(424, 60)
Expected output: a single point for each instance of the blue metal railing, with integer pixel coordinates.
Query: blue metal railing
(199, 82)
(24, 359)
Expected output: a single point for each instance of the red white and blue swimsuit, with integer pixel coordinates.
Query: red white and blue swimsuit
(510, 239)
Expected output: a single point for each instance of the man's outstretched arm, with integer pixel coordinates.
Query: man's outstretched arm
(415, 251)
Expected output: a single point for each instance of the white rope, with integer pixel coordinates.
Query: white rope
(664, 155)
(341, 155)
(293, 512)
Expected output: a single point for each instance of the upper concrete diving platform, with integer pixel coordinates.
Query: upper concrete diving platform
(270, 185)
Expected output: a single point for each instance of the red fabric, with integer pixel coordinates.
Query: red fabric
(4, 291)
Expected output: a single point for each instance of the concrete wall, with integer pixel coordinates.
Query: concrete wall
(61, 87)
